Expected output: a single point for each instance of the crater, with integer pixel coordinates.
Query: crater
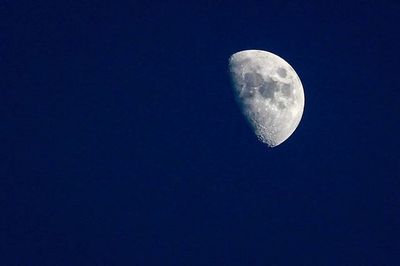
(281, 72)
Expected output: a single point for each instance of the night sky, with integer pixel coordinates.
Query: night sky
(122, 143)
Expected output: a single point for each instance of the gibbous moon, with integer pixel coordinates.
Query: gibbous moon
(269, 93)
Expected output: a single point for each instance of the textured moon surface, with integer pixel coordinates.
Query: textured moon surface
(269, 93)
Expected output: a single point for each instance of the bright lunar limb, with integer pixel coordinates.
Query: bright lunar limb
(269, 93)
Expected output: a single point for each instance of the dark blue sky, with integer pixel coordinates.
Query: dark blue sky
(122, 143)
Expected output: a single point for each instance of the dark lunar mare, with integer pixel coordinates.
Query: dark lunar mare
(268, 89)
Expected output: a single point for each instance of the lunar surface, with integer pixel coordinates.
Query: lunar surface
(269, 93)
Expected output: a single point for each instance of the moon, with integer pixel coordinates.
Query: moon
(269, 93)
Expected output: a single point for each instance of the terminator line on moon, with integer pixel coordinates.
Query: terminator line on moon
(269, 93)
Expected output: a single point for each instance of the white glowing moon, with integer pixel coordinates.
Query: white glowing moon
(269, 92)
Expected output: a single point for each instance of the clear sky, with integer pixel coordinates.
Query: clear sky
(122, 144)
